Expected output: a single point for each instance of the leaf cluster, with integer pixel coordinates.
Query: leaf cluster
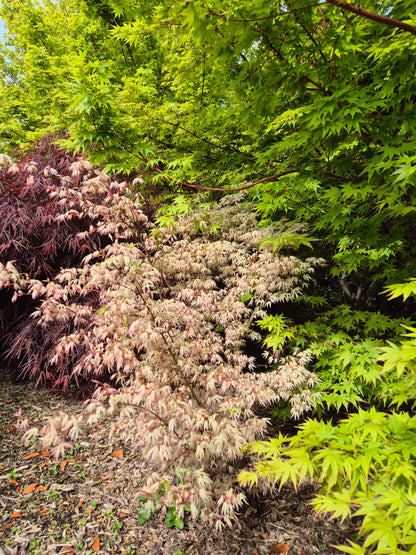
(148, 509)
(366, 463)
(366, 466)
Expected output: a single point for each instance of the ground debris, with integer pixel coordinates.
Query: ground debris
(89, 500)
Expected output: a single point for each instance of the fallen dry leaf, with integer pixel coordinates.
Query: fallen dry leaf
(46, 453)
(117, 454)
(42, 488)
(15, 515)
(29, 488)
(31, 456)
(67, 549)
(96, 545)
(280, 548)
(122, 515)
(63, 464)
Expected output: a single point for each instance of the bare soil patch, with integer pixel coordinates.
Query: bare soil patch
(87, 503)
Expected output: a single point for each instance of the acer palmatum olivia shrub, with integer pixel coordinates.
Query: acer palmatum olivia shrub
(164, 320)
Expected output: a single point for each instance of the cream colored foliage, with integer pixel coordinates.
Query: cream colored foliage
(175, 312)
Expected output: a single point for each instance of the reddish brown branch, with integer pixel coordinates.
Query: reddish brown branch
(202, 188)
(227, 148)
(272, 16)
(374, 17)
(171, 21)
(314, 42)
(339, 178)
(306, 78)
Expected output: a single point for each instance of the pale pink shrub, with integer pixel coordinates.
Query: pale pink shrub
(163, 321)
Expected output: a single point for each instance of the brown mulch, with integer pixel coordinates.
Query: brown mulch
(87, 503)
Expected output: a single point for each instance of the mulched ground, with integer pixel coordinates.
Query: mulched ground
(87, 503)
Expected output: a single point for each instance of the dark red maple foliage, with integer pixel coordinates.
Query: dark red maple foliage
(32, 235)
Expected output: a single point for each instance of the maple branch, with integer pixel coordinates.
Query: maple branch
(339, 178)
(159, 27)
(374, 17)
(315, 43)
(308, 80)
(272, 16)
(270, 44)
(227, 148)
(173, 356)
(202, 188)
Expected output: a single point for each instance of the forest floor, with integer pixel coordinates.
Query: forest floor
(87, 503)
